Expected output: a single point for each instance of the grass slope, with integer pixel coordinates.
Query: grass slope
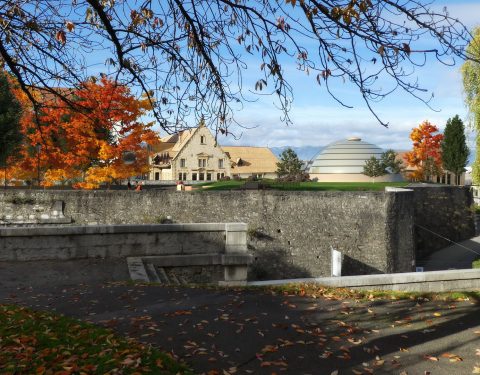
(39, 343)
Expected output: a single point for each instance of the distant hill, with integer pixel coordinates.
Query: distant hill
(305, 153)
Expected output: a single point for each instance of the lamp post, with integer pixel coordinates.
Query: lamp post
(38, 148)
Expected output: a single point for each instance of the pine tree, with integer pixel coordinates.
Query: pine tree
(289, 164)
(454, 147)
(10, 113)
(390, 162)
(373, 168)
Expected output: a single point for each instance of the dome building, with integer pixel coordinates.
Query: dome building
(343, 161)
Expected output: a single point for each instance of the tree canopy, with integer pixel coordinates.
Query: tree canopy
(189, 57)
(10, 113)
(426, 155)
(454, 147)
(289, 165)
(390, 162)
(86, 148)
(471, 86)
(374, 168)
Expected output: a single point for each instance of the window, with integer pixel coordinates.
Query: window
(157, 176)
(182, 176)
(202, 139)
(209, 177)
(194, 177)
(218, 176)
(220, 163)
(201, 176)
(182, 163)
(202, 163)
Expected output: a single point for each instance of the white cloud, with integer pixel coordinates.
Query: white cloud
(321, 125)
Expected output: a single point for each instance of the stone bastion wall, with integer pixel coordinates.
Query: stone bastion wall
(290, 234)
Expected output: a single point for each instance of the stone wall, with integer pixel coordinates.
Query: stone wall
(218, 251)
(290, 233)
(441, 213)
(113, 241)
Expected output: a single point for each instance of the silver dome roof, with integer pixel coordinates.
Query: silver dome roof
(346, 156)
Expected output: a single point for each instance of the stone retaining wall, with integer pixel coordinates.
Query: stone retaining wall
(441, 213)
(290, 233)
(172, 245)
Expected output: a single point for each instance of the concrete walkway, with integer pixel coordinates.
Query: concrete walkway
(239, 331)
(458, 256)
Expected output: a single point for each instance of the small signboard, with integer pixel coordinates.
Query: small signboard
(419, 269)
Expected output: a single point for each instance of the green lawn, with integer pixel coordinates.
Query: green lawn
(312, 186)
(43, 343)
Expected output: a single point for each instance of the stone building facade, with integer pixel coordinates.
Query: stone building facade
(190, 155)
(194, 155)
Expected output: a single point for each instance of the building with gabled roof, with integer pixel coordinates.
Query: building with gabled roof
(189, 155)
(248, 161)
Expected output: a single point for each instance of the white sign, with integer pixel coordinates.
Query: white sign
(336, 262)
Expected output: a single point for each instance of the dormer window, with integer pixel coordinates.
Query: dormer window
(202, 140)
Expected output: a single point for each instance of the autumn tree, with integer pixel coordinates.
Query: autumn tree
(454, 148)
(86, 147)
(188, 57)
(426, 155)
(10, 135)
(471, 86)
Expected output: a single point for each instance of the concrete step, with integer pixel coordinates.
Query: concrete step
(175, 279)
(163, 276)
(152, 273)
(137, 270)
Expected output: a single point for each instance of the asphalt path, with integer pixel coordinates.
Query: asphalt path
(237, 331)
(457, 256)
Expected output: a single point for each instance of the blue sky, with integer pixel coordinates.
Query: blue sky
(318, 119)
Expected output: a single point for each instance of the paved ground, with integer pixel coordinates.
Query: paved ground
(458, 256)
(252, 332)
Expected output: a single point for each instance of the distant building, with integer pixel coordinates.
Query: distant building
(189, 155)
(247, 162)
(343, 161)
(446, 178)
(193, 155)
